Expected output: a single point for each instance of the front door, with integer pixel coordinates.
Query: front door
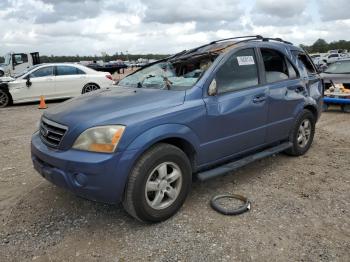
(237, 114)
(41, 83)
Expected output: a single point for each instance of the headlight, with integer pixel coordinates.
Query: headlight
(103, 139)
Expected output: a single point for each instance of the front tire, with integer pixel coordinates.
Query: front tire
(302, 134)
(158, 184)
(5, 98)
(2, 73)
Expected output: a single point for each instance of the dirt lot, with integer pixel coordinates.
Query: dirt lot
(300, 209)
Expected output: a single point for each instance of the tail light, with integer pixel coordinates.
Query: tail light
(109, 77)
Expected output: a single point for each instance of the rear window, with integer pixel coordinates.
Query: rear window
(340, 67)
(304, 59)
(277, 66)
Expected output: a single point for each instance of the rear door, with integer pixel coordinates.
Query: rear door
(237, 114)
(69, 81)
(286, 93)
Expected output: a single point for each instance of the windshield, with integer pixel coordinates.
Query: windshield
(339, 67)
(27, 70)
(169, 75)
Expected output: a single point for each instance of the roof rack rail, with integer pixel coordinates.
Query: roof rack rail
(237, 37)
(276, 39)
(250, 37)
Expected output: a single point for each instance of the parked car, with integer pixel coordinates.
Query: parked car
(200, 113)
(337, 85)
(53, 81)
(338, 72)
(110, 67)
(333, 57)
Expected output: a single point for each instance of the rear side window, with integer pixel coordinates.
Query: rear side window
(277, 66)
(42, 72)
(304, 59)
(238, 72)
(68, 70)
(291, 70)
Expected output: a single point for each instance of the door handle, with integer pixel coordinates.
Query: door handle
(259, 98)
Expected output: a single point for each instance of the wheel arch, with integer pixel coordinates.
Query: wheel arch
(313, 110)
(177, 135)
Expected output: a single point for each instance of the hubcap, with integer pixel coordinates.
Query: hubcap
(3, 99)
(163, 185)
(89, 88)
(304, 133)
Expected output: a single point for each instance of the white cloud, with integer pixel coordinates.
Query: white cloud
(88, 27)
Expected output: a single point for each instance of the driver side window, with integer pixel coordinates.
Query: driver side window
(20, 59)
(238, 72)
(42, 72)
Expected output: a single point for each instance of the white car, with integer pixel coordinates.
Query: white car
(53, 81)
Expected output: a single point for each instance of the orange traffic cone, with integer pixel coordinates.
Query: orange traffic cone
(42, 104)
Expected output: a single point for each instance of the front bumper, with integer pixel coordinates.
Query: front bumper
(95, 176)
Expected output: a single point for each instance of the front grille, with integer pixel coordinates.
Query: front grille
(51, 133)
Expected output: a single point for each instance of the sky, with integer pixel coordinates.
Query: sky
(90, 27)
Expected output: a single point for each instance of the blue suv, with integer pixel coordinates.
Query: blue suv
(200, 113)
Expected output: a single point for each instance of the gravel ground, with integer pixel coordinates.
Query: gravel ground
(300, 209)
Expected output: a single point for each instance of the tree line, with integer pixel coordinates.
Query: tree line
(104, 56)
(321, 46)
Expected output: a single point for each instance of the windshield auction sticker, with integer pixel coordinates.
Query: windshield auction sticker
(245, 60)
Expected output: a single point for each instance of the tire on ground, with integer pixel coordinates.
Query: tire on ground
(296, 149)
(135, 202)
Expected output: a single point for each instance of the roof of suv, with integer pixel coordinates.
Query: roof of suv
(223, 45)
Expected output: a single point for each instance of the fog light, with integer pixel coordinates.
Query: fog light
(80, 179)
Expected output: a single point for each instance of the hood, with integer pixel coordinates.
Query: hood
(115, 105)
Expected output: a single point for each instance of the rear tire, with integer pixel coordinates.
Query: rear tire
(89, 88)
(5, 98)
(158, 184)
(2, 73)
(302, 134)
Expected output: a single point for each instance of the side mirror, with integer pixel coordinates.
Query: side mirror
(28, 83)
(212, 90)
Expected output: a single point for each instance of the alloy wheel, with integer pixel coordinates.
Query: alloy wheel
(304, 133)
(163, 185)
(90, 87)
